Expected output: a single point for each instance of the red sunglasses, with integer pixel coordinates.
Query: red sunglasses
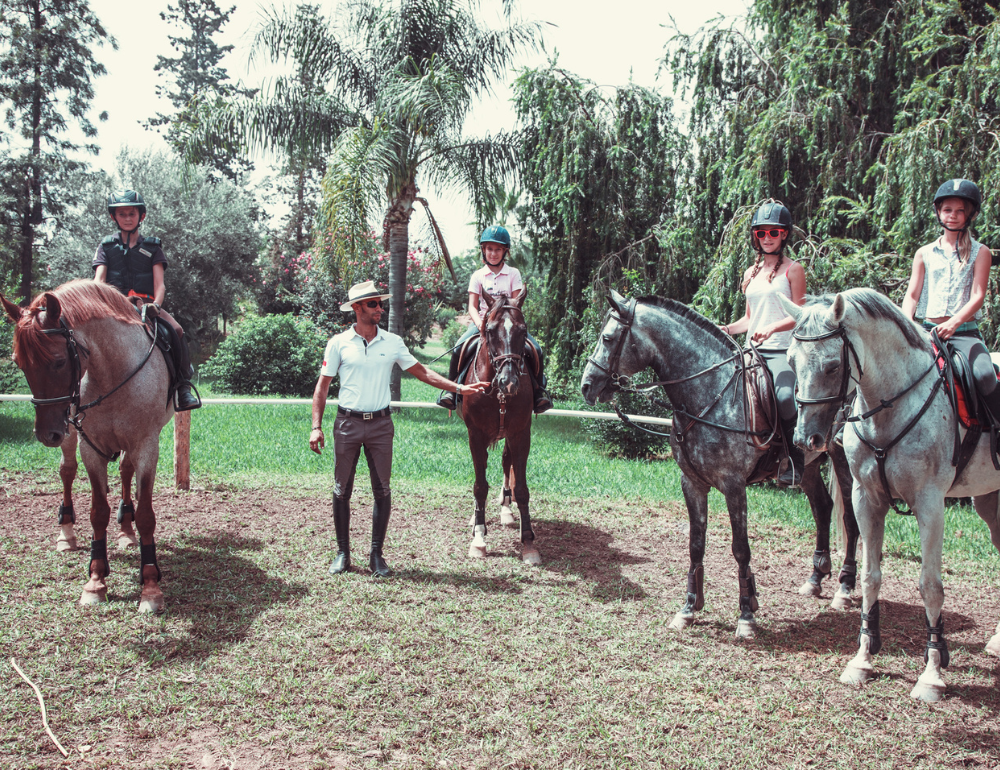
(776, 233)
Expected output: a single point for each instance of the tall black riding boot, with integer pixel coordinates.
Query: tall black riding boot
(185, 400)
(342, 524)
(380, 522)
(542, 401)
(446, 398)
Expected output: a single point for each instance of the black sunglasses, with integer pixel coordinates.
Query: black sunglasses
(769, 233)
(373, 303)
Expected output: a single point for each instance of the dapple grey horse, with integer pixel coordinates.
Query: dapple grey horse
(699, 368)
(903, 452)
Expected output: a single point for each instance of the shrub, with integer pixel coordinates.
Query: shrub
(269, 355)
(11, 379)
(617, 439)
(452, 332)
(445, 315)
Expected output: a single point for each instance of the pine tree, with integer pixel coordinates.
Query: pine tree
(46, 71)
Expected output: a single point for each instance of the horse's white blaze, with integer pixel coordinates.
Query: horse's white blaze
(508, 324)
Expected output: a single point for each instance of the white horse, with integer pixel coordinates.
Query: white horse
(901, 451)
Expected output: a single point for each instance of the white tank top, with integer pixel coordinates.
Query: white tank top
(762, 299)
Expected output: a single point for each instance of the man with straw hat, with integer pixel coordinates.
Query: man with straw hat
(363, 356)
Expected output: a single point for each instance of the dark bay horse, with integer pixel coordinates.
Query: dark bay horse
(88, 359)
(699, 369)
(503, 411)
(912, 451)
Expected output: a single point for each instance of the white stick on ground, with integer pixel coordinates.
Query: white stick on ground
(45, 720)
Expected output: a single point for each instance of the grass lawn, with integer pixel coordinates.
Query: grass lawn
(262, 660)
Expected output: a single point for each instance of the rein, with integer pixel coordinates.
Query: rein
(497, 363)
(73, 399)
(880, 452)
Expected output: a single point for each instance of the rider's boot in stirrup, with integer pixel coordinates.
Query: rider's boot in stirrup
(446, 398)
(342, 525)
(185, 400)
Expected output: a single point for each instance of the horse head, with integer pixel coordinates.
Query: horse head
(612, 358)
(822, 355)
(41, 353)
(504, 336)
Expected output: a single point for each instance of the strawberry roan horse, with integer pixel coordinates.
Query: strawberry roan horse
(87, 358)
(503, 411)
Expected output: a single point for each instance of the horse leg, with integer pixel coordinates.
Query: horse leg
(696, 498)
(822, 505)
(506, 515)
(126, 508)
(736, 502)
(96, 589)
(842, 483)
(930, 518)
(477, 445)
(871, 521)
(988, 508)
(151, 597)
(67, 473)
(529, 553)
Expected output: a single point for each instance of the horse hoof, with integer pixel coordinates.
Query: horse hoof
(809, 589)
(89, 598)
(477, 551)
(682, 621)
(126, 540)
(66, 544)
(152, 606)
(746, 629)
(507, 517)
(993, 646)
(842, 600)
(531, 557)
(928, 692)
(855, 674)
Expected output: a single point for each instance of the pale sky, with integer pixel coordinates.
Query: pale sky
(604, 42)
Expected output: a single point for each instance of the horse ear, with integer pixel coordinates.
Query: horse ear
(790, 307)
(52, 311)
(488, 299)
(618, 302)
(838, 309)
(518, 301)
(14, 312)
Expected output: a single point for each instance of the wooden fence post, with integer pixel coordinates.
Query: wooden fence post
(182, 450)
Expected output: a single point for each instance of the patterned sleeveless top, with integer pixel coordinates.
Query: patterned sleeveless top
(947, 282)
(762, 299)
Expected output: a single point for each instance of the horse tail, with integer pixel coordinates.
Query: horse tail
(840, 536)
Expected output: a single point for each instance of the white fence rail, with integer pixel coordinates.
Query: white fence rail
(182, 423)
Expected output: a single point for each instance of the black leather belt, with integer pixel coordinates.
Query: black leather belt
(365, 415)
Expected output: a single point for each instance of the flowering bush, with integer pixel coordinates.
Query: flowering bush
(321, 279)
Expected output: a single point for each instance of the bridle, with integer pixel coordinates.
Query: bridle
(497, 363)
(73, 348)
(880, 452)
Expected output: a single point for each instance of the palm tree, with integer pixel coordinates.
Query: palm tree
(383, 94)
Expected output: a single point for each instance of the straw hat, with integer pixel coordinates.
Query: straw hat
(360, 292)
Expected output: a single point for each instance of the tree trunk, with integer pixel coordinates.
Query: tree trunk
(398, 219)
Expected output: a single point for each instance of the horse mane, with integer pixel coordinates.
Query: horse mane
(871, 304)
(80, 301)
(696, 318)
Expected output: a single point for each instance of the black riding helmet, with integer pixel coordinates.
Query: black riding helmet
(770, 214)
(959, 188)
(123, 198)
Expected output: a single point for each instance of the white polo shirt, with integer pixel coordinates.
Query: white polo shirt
(364, 369)
(504, 283)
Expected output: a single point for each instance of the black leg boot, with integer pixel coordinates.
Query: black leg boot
(185, 399)
(342, 524)
(446, 398)
(380, 522)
